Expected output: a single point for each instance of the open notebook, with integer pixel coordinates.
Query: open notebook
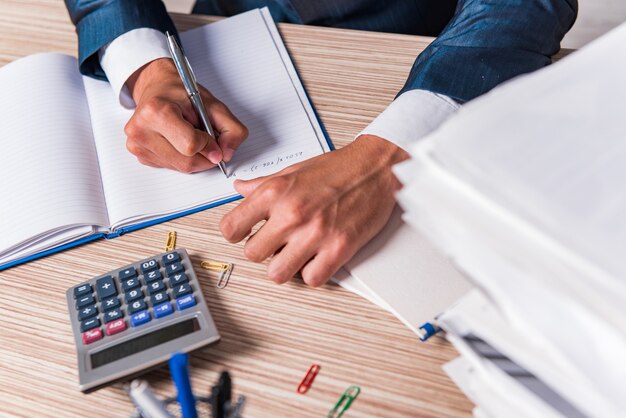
(67, 177)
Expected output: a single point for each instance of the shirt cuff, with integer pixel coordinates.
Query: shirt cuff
(413, 115)
(126, 54)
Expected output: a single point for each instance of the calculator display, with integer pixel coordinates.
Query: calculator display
(136, 345)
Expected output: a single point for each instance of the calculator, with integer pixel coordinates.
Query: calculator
(131, 319)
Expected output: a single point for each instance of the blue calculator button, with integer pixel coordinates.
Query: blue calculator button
(139, 318)
(88, 324)
(81, 290)
(84, 300)
(162, 310)
(185, 302)
(170, 258)
(152, 276)
(127, 273)
(110, 303)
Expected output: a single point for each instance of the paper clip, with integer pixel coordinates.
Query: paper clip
(346, 400)
(171, 241)
(225, 269)
(307, 380)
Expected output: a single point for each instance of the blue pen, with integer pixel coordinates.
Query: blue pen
(180, 374)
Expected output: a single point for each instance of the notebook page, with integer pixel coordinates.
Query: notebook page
(48, 165)
(243, 65)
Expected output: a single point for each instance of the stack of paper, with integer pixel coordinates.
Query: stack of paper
(523, 191)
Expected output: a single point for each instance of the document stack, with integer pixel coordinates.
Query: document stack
(524, 191)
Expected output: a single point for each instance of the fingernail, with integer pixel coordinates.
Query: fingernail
(215, 156)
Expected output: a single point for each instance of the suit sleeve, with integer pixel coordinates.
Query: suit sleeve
(99, 22)
(491, 41)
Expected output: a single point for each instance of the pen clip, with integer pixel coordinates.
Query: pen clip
(182, 65)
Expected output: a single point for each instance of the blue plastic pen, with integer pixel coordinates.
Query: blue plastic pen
(180, 374)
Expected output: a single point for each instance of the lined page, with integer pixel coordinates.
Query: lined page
(239, 60)
(48, 164)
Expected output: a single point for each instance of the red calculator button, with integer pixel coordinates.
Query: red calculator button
(116, 326)
(92, 335)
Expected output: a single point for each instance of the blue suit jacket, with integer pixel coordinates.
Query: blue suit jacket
(480, 43)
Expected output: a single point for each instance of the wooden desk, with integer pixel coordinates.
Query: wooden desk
(270, 334)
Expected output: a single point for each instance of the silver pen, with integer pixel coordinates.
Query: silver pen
(189, 81)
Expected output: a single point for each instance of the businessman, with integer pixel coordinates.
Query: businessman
(320, 212)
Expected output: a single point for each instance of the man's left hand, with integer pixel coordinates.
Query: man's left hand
(319, 212)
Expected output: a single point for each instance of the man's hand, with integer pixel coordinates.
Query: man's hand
(319, 212)
(163, 131)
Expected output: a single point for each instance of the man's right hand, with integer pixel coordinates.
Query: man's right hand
(164, 130)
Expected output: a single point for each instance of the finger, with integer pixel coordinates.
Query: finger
(166, 118)
(290, 260)
(247, 187)
(322, 267)
(266, 241)
(144, 155)
(230, 131)
(238, 223)
(163, 153)
(152, 160)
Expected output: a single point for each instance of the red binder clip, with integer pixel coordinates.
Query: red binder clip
(307, 380)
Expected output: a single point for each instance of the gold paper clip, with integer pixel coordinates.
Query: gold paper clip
(346, 400)
(225, 269)
(170, 244)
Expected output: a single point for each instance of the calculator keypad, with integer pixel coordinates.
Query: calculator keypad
(144, 295)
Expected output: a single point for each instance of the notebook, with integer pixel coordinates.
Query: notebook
(67, 176)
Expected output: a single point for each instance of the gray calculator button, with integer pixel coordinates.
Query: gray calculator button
(159, 298)
(156, 287)
(112, 315)
(180, 290)
(110, 303)
(170, 258)
(177, 278)
(87, 312)
(88, 324)
(131, 283)
(127, 273)
(136, 306)
(174, 268)
(105, 287)
(133, 295)
(149, 265)
(84, 300)
(152, 276)
(82, 290)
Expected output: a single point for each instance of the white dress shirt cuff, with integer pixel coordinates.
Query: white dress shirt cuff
(126, 54)
(413, 115)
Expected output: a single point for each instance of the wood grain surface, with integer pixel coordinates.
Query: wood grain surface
(270, 334)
